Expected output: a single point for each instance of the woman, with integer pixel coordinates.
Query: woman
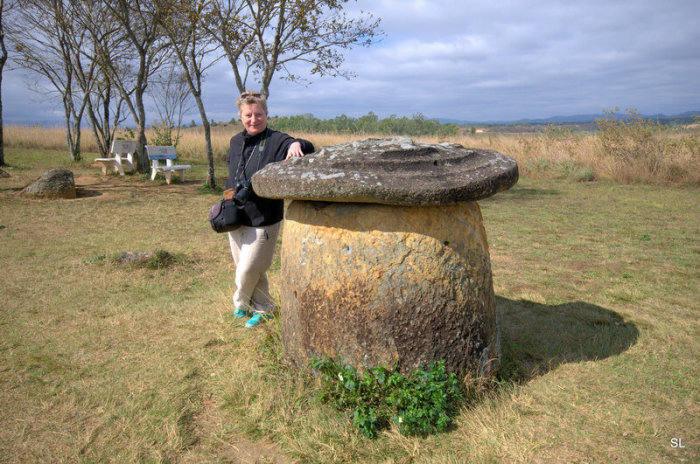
(253, 244)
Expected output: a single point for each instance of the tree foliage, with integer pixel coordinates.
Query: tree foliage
(367, 124)
(261, 38)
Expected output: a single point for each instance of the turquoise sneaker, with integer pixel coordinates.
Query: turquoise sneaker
(240, 313)
(257, 319)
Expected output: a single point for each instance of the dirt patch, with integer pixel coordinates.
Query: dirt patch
(230, 449)
(108, 187)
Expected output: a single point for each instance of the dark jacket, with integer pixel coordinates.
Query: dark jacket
(259, 211)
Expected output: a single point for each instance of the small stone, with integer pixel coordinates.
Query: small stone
(136, 258)
(159, 258)
(56, 183)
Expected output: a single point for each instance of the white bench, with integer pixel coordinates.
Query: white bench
(122, 153)
(158, 153)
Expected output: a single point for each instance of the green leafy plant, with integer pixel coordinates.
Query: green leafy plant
(95, 259)
(127, 134)
(163, 134)
(419, 403)
(206, 189)
(161, 259)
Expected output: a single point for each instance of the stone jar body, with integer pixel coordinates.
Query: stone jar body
(388, 285)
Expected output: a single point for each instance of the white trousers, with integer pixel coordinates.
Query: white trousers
(252, 249)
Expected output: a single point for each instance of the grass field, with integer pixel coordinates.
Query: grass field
(597, 285)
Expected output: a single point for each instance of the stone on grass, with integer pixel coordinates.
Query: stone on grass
(155, 259)
(56, 183)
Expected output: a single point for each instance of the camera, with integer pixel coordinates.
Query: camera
(243, 191)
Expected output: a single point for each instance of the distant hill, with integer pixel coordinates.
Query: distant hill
(682, 118)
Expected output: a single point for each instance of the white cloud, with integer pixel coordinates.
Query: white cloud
(501, 60)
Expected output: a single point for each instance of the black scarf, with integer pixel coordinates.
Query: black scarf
(253, 145)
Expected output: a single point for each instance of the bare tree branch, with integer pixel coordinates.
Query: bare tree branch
(44, 39)
(104, 104)
(140, 23)
(5, 7)
(261, 38)
(196, 51)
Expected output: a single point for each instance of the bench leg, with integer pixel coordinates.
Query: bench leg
(182, 176)
(153, 174)
(168, 175)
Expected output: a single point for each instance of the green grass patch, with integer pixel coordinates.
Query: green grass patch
(207, 189)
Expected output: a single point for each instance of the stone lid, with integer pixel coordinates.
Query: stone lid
(395, 171)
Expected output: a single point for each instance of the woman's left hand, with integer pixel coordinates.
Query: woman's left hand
(294, 151)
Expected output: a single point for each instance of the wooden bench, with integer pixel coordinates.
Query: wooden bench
(122, 153)
(158, 153)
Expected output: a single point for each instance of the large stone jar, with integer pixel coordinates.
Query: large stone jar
(391, 267)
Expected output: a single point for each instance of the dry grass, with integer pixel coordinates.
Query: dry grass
(669, 158)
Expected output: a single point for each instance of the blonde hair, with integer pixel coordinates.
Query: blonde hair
(250, 97)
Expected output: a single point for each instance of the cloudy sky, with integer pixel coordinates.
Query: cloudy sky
(482, 61)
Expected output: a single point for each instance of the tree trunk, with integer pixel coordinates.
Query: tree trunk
(75, 155)
(69, 137)
(3, 59)
(211, 181)
(73, 139)
(2, 142)
(96, 130)
(143, 163)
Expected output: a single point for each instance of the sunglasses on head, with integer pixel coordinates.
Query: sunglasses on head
(251, 94)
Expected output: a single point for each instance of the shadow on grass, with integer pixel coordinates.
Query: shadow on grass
(536, 338)
(520, 193)
(82, 192)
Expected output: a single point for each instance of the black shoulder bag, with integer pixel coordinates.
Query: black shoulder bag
(223, 216)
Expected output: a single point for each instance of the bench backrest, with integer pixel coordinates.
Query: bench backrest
(124, 146)
(160, 152)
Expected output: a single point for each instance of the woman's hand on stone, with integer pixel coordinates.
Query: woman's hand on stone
(294, 151)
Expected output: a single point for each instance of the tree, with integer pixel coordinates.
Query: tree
(45, 38)
(104, 104)
(367, 124)
(260, 38)
(184, 26)
(3, 60)
(130, 68)
(223, 20)
(171, 95)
